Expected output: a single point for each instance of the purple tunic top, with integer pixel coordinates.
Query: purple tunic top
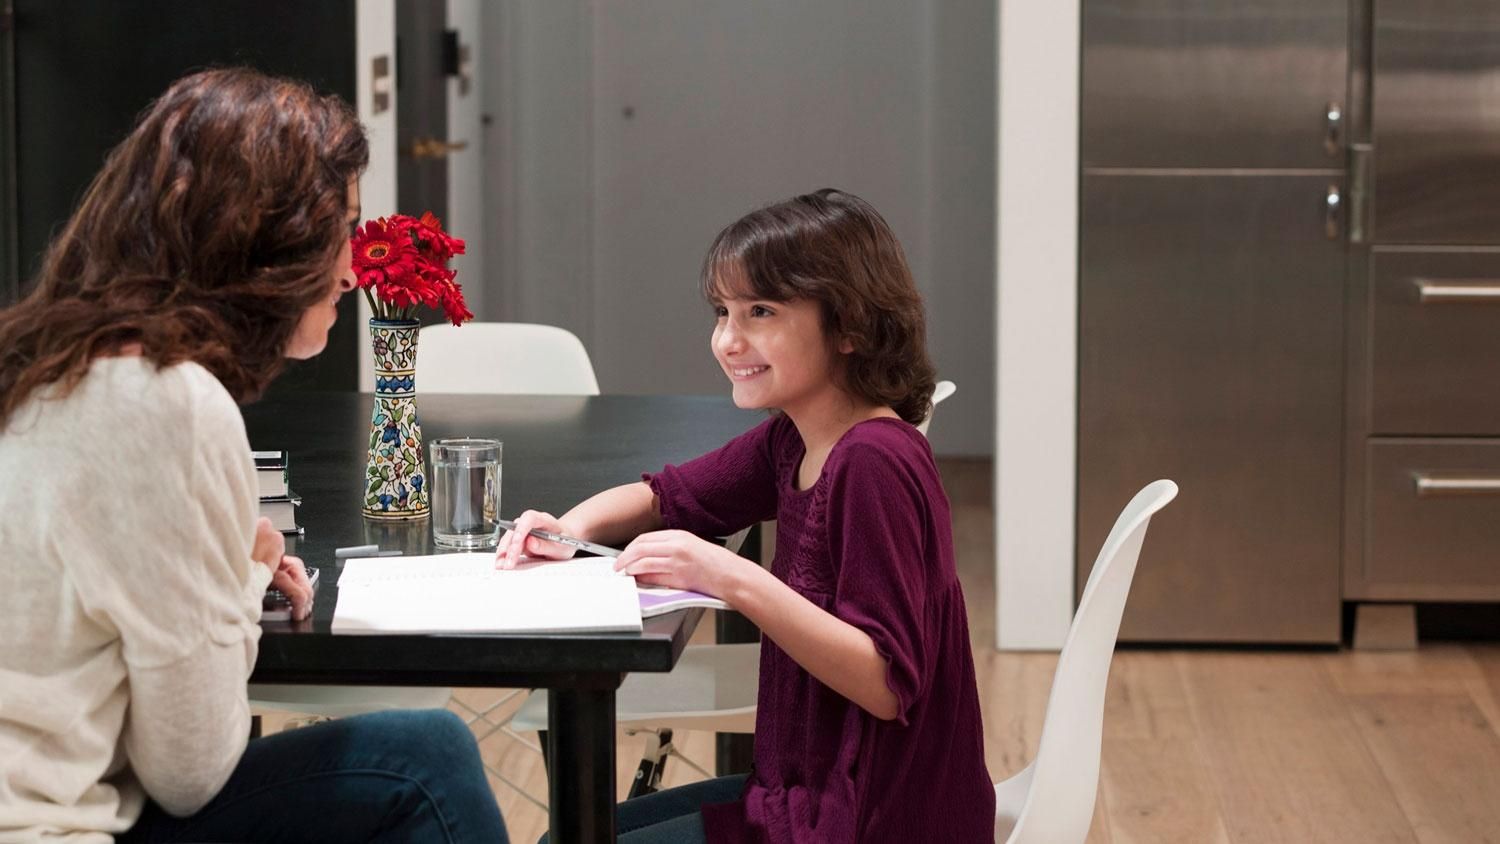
(872, 543)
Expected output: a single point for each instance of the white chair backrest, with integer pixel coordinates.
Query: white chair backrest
(941, 391)
(1065, 774)
(515, 358)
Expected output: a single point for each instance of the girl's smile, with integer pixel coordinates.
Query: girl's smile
(774, 353)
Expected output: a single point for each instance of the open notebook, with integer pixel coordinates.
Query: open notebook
(450, 593)
(465, 593)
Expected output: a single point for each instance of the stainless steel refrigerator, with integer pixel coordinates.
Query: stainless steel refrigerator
(1264, 186)
(1422, 491)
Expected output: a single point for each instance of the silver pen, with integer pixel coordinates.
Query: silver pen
(601, 550)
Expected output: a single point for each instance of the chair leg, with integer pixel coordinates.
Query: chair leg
(541, 737)
(653, 762)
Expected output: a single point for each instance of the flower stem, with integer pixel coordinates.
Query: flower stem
(370, 297)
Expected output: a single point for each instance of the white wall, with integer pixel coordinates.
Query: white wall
(1037, 314)
(627, 134)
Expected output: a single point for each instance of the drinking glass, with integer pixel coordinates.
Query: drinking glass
(465, 476)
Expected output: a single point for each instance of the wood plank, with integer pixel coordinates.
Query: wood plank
(1435, 669)
(1284, 753)
(1442, 759)
(1486, 691)
(1013, 689)
(1099, 828)
(1153, 777)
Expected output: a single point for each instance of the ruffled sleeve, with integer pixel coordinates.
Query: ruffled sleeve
(725, 490)
(877, 527)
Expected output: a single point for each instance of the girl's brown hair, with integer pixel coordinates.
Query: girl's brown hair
(210, 230)
(834, 248)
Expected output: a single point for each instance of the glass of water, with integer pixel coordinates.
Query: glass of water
(465, 475)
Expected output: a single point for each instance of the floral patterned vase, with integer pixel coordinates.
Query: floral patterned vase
(395, 480)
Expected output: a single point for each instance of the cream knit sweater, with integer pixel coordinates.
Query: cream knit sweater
(128, 600)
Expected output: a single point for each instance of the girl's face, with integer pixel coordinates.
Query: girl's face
(311, 334)
(775, 353)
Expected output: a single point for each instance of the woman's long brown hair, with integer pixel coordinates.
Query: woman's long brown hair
(210, 230)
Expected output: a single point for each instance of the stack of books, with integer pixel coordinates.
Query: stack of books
(277, 501)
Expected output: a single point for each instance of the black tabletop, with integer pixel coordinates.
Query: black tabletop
(558, 450)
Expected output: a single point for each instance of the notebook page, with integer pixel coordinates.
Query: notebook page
(364, 570)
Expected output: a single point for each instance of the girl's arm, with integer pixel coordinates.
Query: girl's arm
(840, 655)
(618, 514)
(612, 516)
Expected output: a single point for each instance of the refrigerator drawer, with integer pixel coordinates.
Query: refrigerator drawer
(1435, 343)
(1432, 520)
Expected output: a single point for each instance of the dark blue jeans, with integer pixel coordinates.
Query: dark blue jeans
(673, 816)
(390, 776)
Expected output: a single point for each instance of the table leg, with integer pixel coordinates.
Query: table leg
(734, 751)
(581, 727)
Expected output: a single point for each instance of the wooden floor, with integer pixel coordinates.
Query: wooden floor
(1201, 745)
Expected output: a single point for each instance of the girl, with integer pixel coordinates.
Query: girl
(212, 246)
(868, 724)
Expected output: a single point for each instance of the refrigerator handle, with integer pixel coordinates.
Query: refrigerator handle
(1359, 192)
(1333, 137)
(1332, 205)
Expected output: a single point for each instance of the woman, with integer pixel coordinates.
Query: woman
(212, 246)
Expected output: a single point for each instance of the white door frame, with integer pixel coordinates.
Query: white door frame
(1036, 322)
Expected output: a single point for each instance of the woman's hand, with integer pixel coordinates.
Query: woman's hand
(679, 560)
(270, 545)
(509, 551)
(287, 573)
(291, 578)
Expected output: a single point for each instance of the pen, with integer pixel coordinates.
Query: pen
(601, 550)
(363, 551)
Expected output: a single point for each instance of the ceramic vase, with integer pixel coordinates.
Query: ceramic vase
(395, 478)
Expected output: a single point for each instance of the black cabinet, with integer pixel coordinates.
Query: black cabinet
(77, 72)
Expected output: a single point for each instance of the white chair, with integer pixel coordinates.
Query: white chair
(941, 391)
(504, 358)
(1051, 800)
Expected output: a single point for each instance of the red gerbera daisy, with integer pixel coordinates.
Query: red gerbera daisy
(382, 252)
(402, 262)
(443, 245)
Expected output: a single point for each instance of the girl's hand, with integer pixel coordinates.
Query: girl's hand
(510, 550)
(679, 560)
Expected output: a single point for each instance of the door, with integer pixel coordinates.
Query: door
(1210, 353)
(1213, 83)
(462, 63)
(421, 108)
